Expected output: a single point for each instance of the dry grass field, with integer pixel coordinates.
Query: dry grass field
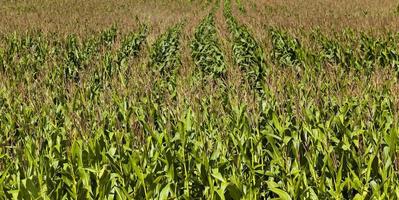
(69, 16)
(200, 99)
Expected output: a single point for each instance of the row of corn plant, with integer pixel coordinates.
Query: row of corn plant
(205, 47)
(247, 52)
(116, 61)
(165, 61)
(164, 53)
(286, 50)
(78, 54)
(132, 44)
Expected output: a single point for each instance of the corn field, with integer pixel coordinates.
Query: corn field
(201, 111)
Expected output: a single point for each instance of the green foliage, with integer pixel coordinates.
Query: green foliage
(240, 6)
(165, 62)
(84, 118)
(379, 51)
(206, 50)
(363, 56)
(132, 44)
(24, 54)
(2, 68)
(247, 53)
(164, 55)
(287, 51)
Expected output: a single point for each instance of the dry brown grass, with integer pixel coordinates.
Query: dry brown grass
(366, 15)
(84, 17)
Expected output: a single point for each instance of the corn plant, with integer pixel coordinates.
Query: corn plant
(25, 54)
(165, 61)
(132, 44)
(337, 53)
(115, 62)
(206, 52)
(287, 51)
(240, 6)
(248, 55)
(108, 37)
(164, 55)
(378, 52)
(2, 67)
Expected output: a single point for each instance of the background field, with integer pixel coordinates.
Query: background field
(229, 99)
